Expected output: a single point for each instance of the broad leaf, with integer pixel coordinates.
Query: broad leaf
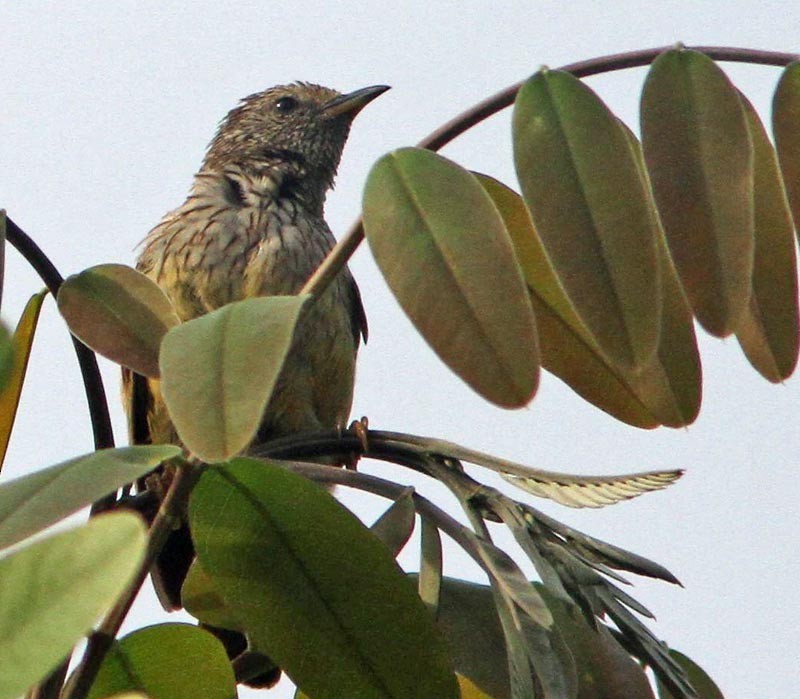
(202, 600)
(313, 588)
(591, 210)
(769, 329)
(31, 503)
(53, 591)
(699, 155)
(446, 255)
(218, 372)
(167, 661)
(118, 312)
(10, 393)
(698, 678)
(785, 118)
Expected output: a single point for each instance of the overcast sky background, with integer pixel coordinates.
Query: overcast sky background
(105, 113)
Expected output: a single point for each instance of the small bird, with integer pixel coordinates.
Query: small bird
(253, 225)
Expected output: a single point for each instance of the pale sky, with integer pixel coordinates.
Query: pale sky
(105, 113)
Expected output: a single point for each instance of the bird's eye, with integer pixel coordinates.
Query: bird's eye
(285, 105)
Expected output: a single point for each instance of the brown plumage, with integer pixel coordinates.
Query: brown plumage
(253, 225)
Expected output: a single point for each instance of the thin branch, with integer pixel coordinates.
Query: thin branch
(439, 138)
(92, 381)
(101, 640)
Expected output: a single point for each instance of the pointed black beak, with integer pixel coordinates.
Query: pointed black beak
(353, 102)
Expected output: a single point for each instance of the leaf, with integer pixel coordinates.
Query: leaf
(218, 372)
(430, 565)
(157, 661)
(768, 331)
(202, 600)
(313, 588)
(31, 503)
(119, 313)
(698, 153)
(698, 678)
(447, 257)
(590, 210)
(665, 391)
(6, 356)
(785, 117)
(52, 591)
(2, 252)
(604, 669)
(469, 690)
(395, 526)
(21, 347)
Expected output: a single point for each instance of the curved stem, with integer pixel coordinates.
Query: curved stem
(92, 381)
(434, 141)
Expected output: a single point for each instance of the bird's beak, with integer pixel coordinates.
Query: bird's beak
(353, 102)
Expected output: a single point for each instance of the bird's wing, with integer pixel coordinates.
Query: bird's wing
(358, 315)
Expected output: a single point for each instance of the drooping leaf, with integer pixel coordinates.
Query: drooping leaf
(395, 526)
(53, 591)
(785, 117)
(604, 669)
(698, 153)
(699, 679)
(10, 393)
(665, 391)
(6, 356)
(313, 588)
(167, 661)
(30, 503)
(769, 331)
(118, 312)
(430, 565)
(590, 210)
(218, 372)
(446, 255)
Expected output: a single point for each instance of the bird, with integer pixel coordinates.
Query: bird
(253, 225)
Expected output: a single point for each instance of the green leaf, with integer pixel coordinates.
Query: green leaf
(313, 588)
(6, 356)
(395, 526)
(698, 152)
(10, 393)
(218, 372)
(53, 591)
(167, 661)
(118, 312)
(785, 118)
(446, 255)
(202, 600)
(33, 502)
(604, 669)
(769, 331)
(591, 211)
(430, 565)
(698, 678)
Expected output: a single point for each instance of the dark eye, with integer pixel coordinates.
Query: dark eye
(285, 105)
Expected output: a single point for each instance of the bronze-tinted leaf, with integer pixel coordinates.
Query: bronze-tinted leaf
(119, 313)
(446, 255)
(218, 372)
(314, 588)
(590, 209)
(768, 331)
(21, 346)
(6, 356)
(666, 391)
(785, 118)
(698, 153)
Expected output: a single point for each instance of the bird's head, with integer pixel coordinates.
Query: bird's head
(299, 129)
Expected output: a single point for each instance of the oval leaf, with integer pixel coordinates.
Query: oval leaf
(53, 591)
(589, 207)
(218, 372)
(785, 118)
(10, 393)
(313, 587)
(33, 502)
(769, 331)
(119, 313)
(698, 153)
(154, 661)
(446, 255)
